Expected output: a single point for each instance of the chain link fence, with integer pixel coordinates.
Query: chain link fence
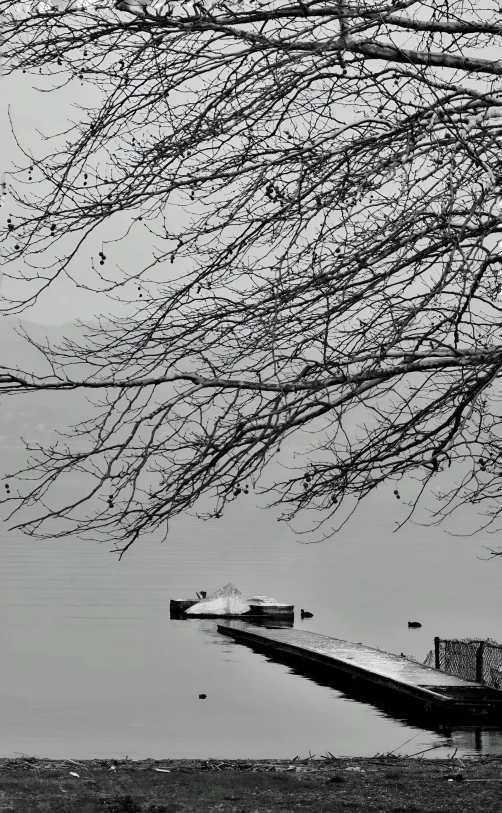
(469, 658)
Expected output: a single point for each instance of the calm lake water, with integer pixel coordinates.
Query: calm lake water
(92, 665)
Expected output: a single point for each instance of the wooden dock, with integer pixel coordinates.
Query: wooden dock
(436, 692)
(260, 607)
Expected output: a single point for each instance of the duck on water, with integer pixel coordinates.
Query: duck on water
(414, 624)
(304, 614)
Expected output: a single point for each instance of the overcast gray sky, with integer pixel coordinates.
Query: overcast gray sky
(33, 112)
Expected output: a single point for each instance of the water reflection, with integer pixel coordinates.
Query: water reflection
(477, 739)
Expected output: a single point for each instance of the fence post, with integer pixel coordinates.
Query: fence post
(479, 662)
(436, 653)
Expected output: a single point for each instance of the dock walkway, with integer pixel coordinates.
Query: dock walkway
(396, 673)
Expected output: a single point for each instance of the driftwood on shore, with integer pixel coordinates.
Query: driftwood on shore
(312, 763)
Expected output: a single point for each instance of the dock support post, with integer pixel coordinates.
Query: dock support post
(437, 662)
(479, 662)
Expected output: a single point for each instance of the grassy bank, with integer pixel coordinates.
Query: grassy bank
(383, 784)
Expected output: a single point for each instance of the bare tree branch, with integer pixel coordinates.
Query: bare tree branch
(337, 272)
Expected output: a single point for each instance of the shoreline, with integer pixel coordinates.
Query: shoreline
(312, 762)
(381, 784)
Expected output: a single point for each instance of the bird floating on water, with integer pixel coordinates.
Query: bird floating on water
(414, 624)
(202, 696)
(306, 615)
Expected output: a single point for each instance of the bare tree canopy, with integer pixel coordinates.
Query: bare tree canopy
(338, 170)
